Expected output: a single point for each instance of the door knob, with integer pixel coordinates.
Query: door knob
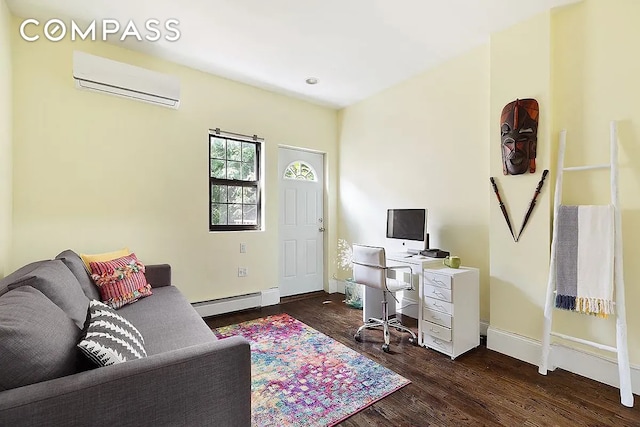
(321, 229)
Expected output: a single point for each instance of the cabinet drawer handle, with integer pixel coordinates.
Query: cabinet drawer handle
(438, 342)
(440, 294)
(439, 282)
(435, 304)
(436, 317)
(434, 330)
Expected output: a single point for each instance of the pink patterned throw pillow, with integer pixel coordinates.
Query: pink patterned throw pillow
(121, 281)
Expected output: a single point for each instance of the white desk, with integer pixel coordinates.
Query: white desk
(372, 298)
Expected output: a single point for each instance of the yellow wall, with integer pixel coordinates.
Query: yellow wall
(95, 173)
(520, 66)
(422, 144)
(578, 65)
(5, 137)
(595, 80)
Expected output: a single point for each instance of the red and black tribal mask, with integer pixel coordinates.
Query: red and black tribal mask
(519, 136)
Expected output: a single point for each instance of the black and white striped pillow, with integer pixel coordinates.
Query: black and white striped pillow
(109, 337)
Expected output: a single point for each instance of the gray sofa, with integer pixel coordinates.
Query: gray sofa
(189, 378)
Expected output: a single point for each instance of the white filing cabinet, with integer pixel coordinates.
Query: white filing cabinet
(449, 319)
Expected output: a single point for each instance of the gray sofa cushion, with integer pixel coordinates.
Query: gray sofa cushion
(167, 321)
(56, 281)
(38, 339)
(74, 263)
(158, 275)
(6, 281)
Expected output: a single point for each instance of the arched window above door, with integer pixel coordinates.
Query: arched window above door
(301, 171)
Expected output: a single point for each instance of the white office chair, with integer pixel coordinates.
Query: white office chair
(370, 269)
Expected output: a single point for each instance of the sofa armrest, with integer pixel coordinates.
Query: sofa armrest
(158, 275)
(202, 385)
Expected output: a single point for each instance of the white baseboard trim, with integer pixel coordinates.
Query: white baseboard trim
(228, 305)
(589, 365)
(484, 326)
(516, 346)
(237, 303)
(333, 286)
(270, 297)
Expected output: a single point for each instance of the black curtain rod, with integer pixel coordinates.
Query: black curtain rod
(219, 132)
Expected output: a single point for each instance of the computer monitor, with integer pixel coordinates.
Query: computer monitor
(409, 225)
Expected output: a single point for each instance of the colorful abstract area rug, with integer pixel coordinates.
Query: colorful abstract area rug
(301, 377)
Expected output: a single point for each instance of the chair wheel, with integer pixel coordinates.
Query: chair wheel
(357, 337)
(385, 348)
(413, 341)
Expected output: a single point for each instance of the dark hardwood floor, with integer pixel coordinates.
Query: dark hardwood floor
(479, 388)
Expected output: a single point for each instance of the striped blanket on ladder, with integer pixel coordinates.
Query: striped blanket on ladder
(584, 259)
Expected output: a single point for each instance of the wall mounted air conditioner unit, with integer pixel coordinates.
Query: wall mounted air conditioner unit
(116, 78)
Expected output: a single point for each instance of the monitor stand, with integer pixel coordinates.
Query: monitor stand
(415, 251)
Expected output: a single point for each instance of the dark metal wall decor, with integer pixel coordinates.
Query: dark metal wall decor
(519, 136)
(505, 214)
(532, 204)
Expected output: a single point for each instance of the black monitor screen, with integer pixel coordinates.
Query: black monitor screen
(408, 224)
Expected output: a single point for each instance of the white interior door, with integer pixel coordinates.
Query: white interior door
(301, 222)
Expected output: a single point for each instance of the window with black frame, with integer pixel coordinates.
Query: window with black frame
(234, 182)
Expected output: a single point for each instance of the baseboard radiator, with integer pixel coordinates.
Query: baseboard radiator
(228, 305)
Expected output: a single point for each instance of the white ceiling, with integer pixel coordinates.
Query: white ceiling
(355, 48)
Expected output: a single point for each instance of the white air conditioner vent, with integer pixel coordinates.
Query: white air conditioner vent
(116, 78)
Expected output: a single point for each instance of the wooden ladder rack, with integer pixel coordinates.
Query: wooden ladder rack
(621, 349)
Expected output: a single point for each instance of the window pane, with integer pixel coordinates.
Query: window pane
(235, 194)
(235, 214)
(234, 170)
(248, 152)
(218, 148)
(248, 171)
(300, 171)
(218, 169)
(250, 195)
(218, 214)
(305, 172)
(219, 193)
(234, 150)
(250, 214)
(290, 173)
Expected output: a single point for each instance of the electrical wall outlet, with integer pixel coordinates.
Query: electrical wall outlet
(242, 272)
(243, 248)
